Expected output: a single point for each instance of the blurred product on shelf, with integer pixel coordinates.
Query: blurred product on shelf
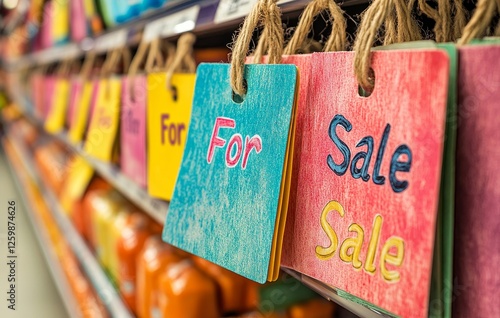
(154, 257)
(80, 216)
(185, 291)
(52, 160)
(130, 241)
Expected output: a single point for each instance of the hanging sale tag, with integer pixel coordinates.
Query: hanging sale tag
(81, 113)
(104, 122)
(57, 111)
(232, 189)
(168, 116)
(478, 195)
(133, 129)
(369, 178)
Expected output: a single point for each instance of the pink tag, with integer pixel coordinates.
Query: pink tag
(49, 86)
(367, 172)
(133, 129)
(78, 21)
(38, 90)
(477, 221)
(75, 91)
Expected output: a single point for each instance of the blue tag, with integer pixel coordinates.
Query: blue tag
(230, 190)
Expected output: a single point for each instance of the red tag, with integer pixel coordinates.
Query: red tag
(477, 252)
(368, 178)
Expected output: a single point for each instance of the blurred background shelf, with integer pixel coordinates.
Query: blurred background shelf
(41, 234)
(206, 17)
(102, 285)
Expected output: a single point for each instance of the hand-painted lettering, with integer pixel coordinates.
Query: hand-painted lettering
(392, 252)
(174, 131)
(235, 147)
(360, 164)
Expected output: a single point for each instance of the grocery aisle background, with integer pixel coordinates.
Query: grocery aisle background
(37, 295)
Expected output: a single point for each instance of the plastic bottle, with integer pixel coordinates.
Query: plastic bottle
(232, 287)
(153, 258)
(128, 246)
(187, 292)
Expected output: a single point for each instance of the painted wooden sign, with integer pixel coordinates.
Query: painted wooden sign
(168, 121)
(103, 127)
(368, 178)
(75, 93)
(57, 110)
(81, 113)
(230, 200)
(133, 129)
(477, 251)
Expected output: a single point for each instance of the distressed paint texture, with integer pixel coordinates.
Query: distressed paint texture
(133, 129)
(410, 94)
(477, 223)
(228, 215)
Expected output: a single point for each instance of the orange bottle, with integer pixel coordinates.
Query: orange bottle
(79, 215)
(316, 308)
(153, 258)
(128, 246)
(187, 292)
(231, 286)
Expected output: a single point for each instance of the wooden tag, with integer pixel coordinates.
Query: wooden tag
(81, 113)
(368, 178)
(230, 200)
(168, 122)
(477, 251)
(105, 120)
(133, 129)
(57, 111)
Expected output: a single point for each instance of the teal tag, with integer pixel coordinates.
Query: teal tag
(232, 185)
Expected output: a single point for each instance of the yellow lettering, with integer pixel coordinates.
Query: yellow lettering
(324, 253)
(392, 259)
(372, 247)
(356, 243)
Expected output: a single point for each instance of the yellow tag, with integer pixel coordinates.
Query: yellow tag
(60, 21)
(105, 119)
(168, 122)
(81, 114)
(55, 120)
(79, 175)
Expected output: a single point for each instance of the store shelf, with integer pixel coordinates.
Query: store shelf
(199, 17)
(49, 254)
(102, 285)
(156, 208)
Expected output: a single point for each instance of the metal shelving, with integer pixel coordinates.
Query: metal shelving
(102, 285)
(49, 254)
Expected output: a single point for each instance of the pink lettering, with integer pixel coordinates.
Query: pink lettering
(215, 141)
(251, 143)
(230, 160)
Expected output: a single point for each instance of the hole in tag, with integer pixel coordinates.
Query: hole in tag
(367, 91)
(173, 89)
(238, 99)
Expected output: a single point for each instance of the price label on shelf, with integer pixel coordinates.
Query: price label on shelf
(179, 22)
(111, 40)
(233, 9)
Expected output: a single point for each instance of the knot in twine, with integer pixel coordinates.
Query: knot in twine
(268, 13)
(378, 13)
(480, 21)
